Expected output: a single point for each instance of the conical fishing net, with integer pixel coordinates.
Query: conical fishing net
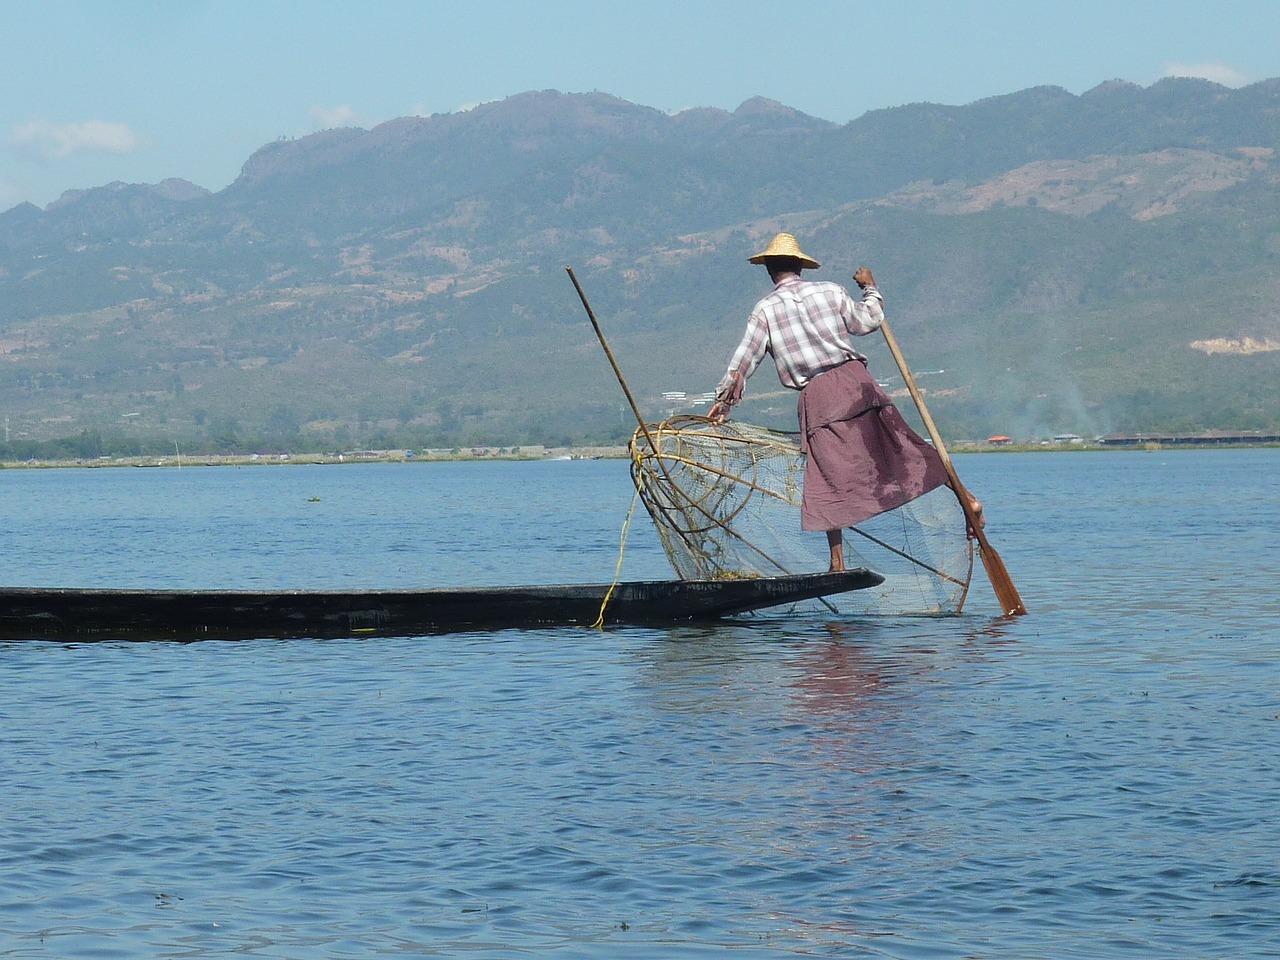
(725, 498)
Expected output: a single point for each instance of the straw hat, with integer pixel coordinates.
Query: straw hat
(784, 245)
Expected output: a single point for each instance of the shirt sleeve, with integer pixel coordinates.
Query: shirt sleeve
(754, 345)
(865, 316)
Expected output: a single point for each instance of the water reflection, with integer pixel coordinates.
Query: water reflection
(984, 630)
(836, 677)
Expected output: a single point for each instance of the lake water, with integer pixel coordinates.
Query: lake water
(1100, 778)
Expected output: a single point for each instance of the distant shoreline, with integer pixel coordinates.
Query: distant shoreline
(468, 454)
(534, 453)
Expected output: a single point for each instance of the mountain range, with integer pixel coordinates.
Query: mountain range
(1052, 263)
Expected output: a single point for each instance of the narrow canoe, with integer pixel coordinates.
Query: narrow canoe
(66, 614)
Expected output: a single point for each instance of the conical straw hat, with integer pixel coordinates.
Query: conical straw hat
(784, 245)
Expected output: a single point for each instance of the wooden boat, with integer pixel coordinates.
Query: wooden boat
(64, 614)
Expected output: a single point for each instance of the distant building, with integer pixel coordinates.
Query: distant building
(999, 440)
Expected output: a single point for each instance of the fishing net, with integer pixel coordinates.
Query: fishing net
(725, 498)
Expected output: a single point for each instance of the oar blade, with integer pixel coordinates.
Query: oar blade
(1006, 593)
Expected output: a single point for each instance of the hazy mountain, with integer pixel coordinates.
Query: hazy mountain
(1053, 263)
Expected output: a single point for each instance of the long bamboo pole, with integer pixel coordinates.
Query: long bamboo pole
(644, 426)
(1001, 582)
(617, 372)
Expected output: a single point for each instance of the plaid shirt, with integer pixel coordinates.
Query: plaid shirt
(807, 326)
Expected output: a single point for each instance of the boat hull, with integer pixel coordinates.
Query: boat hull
(66, 614)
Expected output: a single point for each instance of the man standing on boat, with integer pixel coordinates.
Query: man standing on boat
(862, 458)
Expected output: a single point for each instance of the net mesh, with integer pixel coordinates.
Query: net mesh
(725, 498)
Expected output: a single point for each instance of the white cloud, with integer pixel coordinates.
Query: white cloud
(326, 118)
(46, 142)
(1217, 72)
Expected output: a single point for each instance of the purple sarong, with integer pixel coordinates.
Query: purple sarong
(862, 457)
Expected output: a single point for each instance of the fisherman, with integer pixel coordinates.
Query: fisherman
(862, 458)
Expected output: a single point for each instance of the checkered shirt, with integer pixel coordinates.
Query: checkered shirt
(807, 326)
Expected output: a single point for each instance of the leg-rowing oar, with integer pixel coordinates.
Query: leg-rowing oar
(1001, 582)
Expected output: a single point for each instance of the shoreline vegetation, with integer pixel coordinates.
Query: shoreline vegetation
(537, 452)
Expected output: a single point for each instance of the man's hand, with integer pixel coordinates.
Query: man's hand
(863, 278)
(719, 412)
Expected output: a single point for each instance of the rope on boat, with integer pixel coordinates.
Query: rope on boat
(617, 573)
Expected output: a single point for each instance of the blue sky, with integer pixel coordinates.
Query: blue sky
(141, 90)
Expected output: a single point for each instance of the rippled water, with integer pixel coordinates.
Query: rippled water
(1097, 779)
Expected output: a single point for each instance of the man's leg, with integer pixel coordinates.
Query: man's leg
(835, 540)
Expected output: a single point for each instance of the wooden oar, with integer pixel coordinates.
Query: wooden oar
(1001, 582)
